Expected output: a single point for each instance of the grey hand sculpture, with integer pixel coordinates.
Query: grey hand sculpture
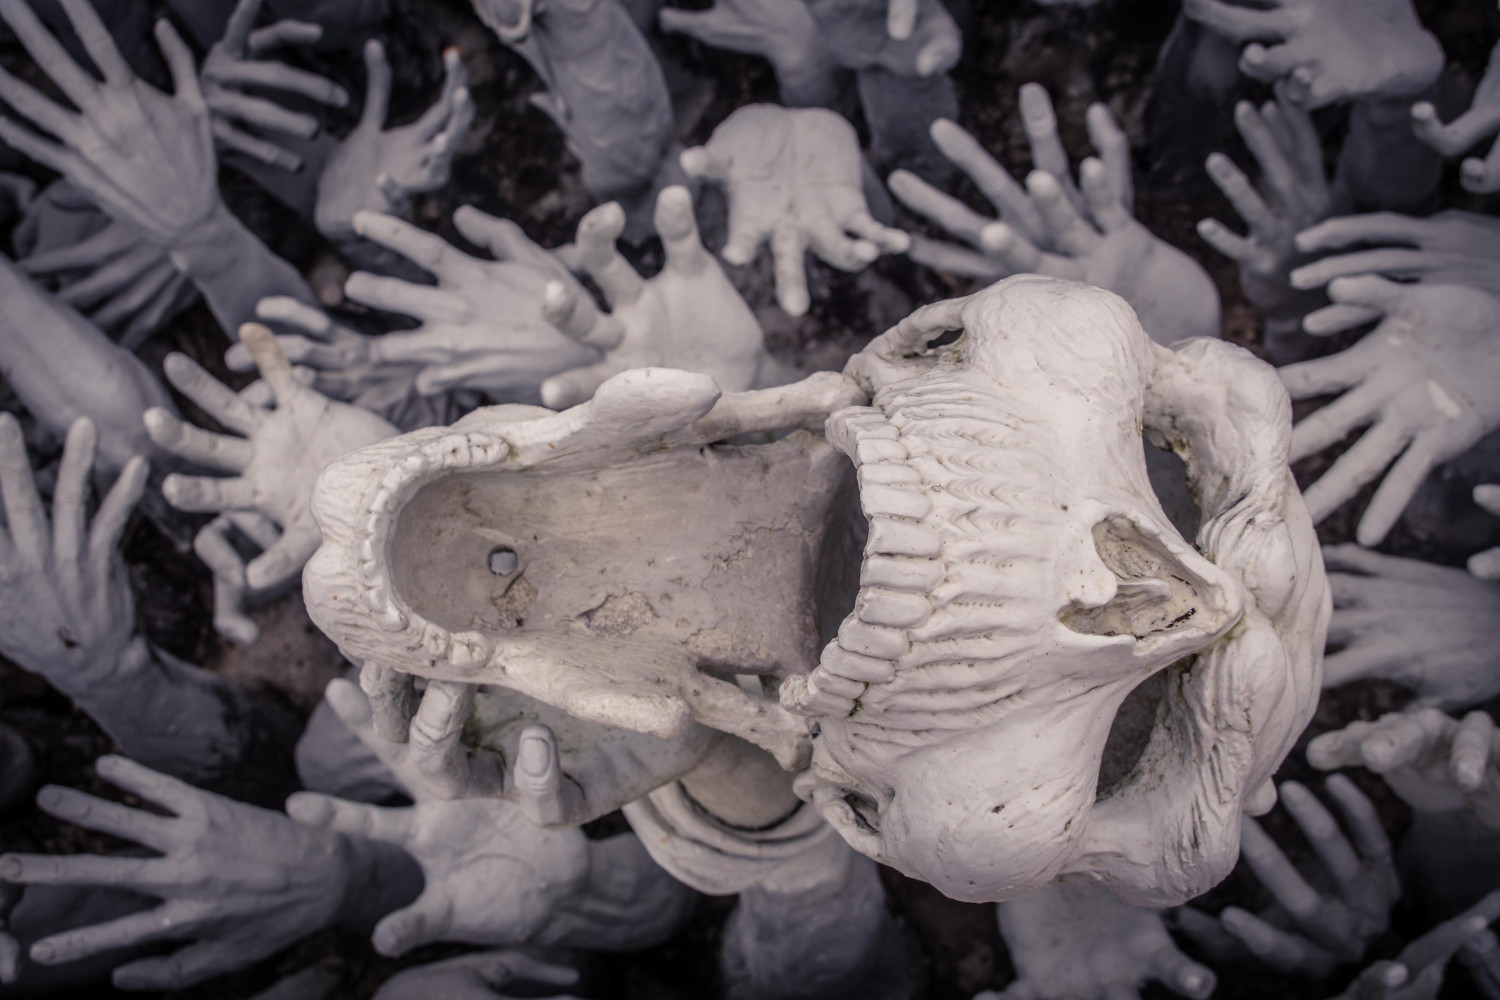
(1434, 762)
(1081, 942)
(919, 40)
(62, 368)
(1307, 932)
(236, 881)
(281, 453)
(1294, 194)
(782, 32)
(378, 168)
(1431, 628)
(476, 977)
(1050, 227)
(1482, 120)
(793, 177)
(237, 61)
(1329, 50)
(1453, 247)
(1424, 379)
(1417, 972)
(689, 316)
(503, 326)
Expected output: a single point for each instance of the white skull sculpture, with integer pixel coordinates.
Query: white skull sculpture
(1018, 579)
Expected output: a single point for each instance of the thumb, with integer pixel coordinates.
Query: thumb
(377, 87)
(284, 559)
(427, 919)
(353, 818)
(572, 387)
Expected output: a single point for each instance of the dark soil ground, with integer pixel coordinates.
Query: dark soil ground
(515, 165)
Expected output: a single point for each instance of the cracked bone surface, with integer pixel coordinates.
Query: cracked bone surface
(1016, 579)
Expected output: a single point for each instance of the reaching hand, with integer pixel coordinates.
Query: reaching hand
(379, 169)
(1434, 629)
(476, 977)
(782, 32)
(1417, 972)
(1329, 50)
(66, 610)
(1307, 932)
(793, 177)
(1433, 761)
(492, 877)
(907, 37)
(688, 317)
(1050, 227)
(1083, 943)
(145, 157)
(1294, 195)
(1450, 248)
(238, 61)
(1424, 379)
(238, 882)
(1482, 120)
(281, 453)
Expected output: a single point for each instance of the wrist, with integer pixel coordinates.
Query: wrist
(209, 248)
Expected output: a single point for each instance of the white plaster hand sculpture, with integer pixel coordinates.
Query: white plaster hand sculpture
(1050, 227)
(1453, 247)
(480, 976)
(1329, 50)
(1433, 629)
(1308, 932)
(377, 168)
(236, 883)
(689, 316)
(1481, 175)
(250, 124)
(1080, 942)
(634, 605)
(1293, 194)
(1423, 381)
(281, 452)
(1435, 763)
(793, 177)
(145, 157)
(1417, 972)
(782, 32)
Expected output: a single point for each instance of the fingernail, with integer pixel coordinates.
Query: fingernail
(43, 952)
(534, 756)
(10, 869)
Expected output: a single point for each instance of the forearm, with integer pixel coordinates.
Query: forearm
(234, 270)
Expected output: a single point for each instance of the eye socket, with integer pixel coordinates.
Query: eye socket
(503, 561)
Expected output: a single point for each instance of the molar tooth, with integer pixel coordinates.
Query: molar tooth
(902, 538)
(470, 649)
(367, 550)
(391, 618)
(892, 607)
(888, 475)
(868, 451)
(435, 640)
(380, 500)
(800, 694)
(872, 640)
(856, 666)
(843, 687)
(455, 450)
(894, 501)
(486, 449)
(915, 576)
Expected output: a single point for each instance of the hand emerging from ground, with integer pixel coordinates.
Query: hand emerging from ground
(1051, 227)
(1482, 120)
(793, 177)
(1328, 50)
(1310, 930)
(1424, 381)
(1434, 629)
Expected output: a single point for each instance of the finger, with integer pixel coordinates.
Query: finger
(179, 59)
(1340, 748)
(1400, 484)
(1481, 176)
(156, 281)
(954, 259)
(1472, 745)
(1462, 133)
(122, 272)
(270, 361)
(952, 215)
(1277, 873)
(42, 112)
(428, 919)
(597, 232)
(1374, 227)
(114, 513)
(78, 86)
(1101, 198)
(545, 796)
(1357, 662)
(109, 873)
(263, 114)
(788, 247)
(1229, 179)
(571, 309)
(213, 396)
(1338, 419)
(1334, 319)
(287, 79)
(742, 242)
(392, 700)
(1323, 833)
(1206, 932)
(393, 826)
(217, 451)
(427, 250)
(1269, 64)
(1181, 974)
(183, 968)
(678, 230)
(241, 21)
(112, 818)
(24, 515)
(1481, 956)
(704, 163)
(1400, 263)
(1016, 253)
(377, 87)
(901, 18)
(285, 309)
(1113, 148)
(1238, 24)
(1240, 249)
(433, 305)
(1364, 460)
(98, 42)
(1040, 124)
(196, 493)
(1275, 947)
(501, 237)
(436, 117)
(993, 181)
(284, 560)
(1069, 232)
(833, 247)
(1369, 290)
(173, 919)
(435, 736)
(70, 499)
(88, 254)
(153, 786)
(889, 239)
(283, 33)
(263, 150)
(576, 385)
(1440, 944)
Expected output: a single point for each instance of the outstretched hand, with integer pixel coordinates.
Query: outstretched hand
(1481, 175)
